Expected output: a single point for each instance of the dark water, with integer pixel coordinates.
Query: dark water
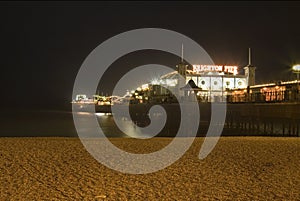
(37, 123)
(48, 123)
(59, 123)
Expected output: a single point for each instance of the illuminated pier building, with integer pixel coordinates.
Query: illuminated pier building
(209, 82)
(216, 83)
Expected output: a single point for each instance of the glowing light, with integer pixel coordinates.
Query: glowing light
(215, 68)
(296, 67)
(290, 82)
(155, 81)
(100, 114)
(80, 97)
(171, 82)
(263, 85)
(145, 87)
(231, 69)
(84, 113)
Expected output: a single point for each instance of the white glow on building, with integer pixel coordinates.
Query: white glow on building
(171, 82)
(155, 81)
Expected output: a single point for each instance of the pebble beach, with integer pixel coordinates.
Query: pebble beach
(239, 168)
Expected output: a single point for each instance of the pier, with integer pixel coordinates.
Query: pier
(242, 119)
(266, 119)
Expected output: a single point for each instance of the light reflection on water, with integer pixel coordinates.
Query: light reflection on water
(55, 123)
(30, 123)
(110, 129)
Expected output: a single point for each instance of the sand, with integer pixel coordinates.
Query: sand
(239, 168)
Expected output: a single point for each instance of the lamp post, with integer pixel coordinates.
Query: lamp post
(296, 69)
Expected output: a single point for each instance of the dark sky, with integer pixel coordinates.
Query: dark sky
(43, 44)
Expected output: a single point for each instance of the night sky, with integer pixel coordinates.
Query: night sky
(43, 44)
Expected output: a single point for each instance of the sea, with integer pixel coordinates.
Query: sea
(60, 123)
(49, 123)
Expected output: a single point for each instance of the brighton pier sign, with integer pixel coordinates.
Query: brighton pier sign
(215, 68)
